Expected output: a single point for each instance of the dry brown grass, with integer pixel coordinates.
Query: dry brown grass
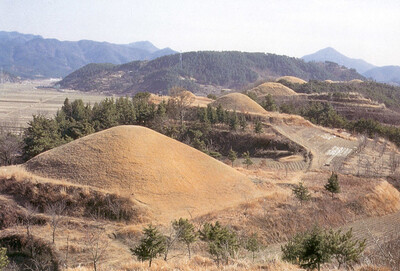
(79, 201)
(383, 199)
(201, 263)
(169, 177)
(198, 100)
(240, 103)
(279, 215)
(292, 79)
(274, 89)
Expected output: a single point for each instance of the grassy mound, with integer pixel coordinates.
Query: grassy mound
(275, 89)
(169, 177)
(240, 103)
(356, 81)
(292, 79)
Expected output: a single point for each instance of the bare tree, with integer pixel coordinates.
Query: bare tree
(170, 239)
(393, 163)
(55, 210)
(96, 245)
(29, 218)
(183, 99)
(115, 207)
(10, 149)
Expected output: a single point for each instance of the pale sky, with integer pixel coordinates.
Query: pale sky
(366, 29)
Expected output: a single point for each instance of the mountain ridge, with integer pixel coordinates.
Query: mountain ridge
(384, 74)
(33, 56)
(200, 72)
(330, 54)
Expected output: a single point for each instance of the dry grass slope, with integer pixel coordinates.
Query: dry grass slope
(240, 103)
(171, 178)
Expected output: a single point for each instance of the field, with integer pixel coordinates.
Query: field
(19, 101)
(118, 180)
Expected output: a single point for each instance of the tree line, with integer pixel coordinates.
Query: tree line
(175, 118)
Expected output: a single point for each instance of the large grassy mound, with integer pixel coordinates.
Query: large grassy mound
(171, 178)
(274, 89)
(240, 103)
(292, 79)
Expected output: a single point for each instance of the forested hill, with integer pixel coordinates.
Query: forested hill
(200, 72)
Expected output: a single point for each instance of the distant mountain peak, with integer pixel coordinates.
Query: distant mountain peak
(331, 54)
(144, 45)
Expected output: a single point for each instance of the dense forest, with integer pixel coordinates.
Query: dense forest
(199, 72)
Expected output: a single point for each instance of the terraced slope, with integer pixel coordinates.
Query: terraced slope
(328, 150)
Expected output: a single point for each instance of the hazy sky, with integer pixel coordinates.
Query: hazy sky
(364, 29)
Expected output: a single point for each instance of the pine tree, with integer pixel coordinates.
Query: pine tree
(3, 258)
(344, 249)
(317, 246)
(243, 122)
(269, 103)
(151, 245)
(301, 193)
(232, 156)
(222, 241)
(185, 232)
(220, 114)
(253, 244)
(247, 160)
(42, 134)
(233, 121)
(333, 184)
(309, 250)
(212, 114)
(258, 129)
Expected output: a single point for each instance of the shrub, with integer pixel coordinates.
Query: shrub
(151, 245)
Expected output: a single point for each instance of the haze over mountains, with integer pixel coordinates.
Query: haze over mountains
(385, 74)
(33, 56)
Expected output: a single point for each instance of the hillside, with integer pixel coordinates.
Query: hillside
(379, 92)
(33, 56)
(167, 176)
(201, 72)
(6, 77)
(330, 54)
(388, 74)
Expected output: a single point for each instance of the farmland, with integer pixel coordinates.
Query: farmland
(19, 101)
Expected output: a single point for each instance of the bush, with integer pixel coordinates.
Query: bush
(315, 247)
(3, 258)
